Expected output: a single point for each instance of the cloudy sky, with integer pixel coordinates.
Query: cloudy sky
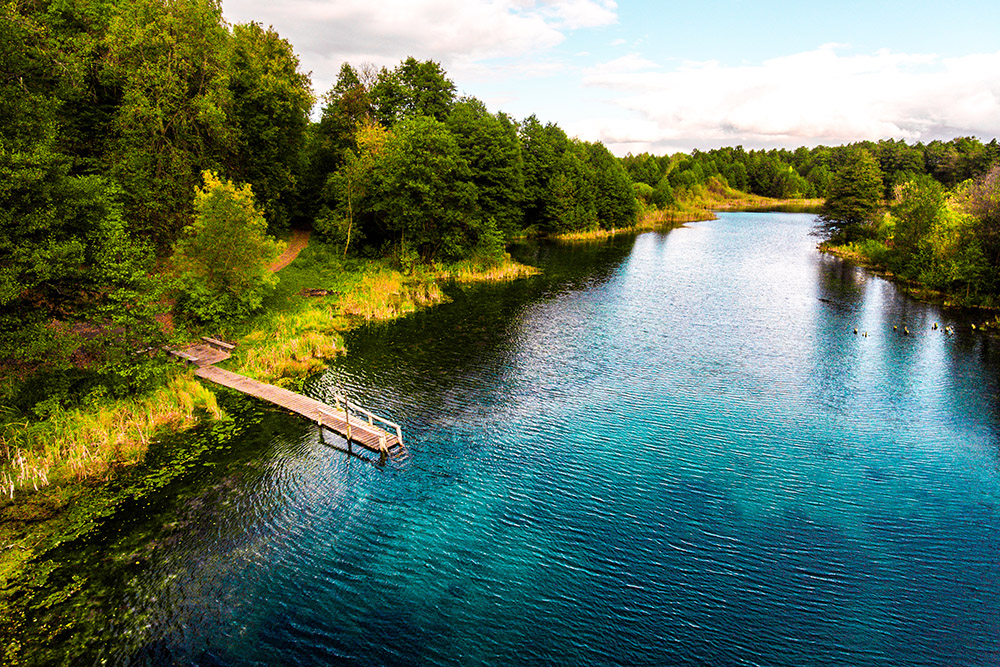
(671, 76)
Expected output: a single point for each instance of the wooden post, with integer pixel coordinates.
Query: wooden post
(347, 417)
(383, 450)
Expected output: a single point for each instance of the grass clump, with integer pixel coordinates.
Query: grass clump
(472, 271)
(87, 443)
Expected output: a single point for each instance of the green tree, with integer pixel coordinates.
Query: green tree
(350, 184)
(643, 193)
(663, 193)
(425, 195)
(571, 202)
(615, 202)
(981, 199)
(222, 258)
(347, 105)
(413, 88)
(75, 296)
(917, 209)
(170, 60)
(271, 100)
(643, 168)
(491, 147)
(542, 148)
(855, 197)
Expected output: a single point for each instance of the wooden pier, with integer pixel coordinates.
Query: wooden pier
(352, 422)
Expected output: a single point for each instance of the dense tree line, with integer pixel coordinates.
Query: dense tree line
(808, 172)
(398, 162)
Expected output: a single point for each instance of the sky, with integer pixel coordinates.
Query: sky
(641, 75)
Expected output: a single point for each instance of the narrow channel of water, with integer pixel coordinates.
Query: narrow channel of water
(669, 449)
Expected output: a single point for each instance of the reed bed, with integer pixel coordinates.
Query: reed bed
(87, 443)
(475, 272)
(293, 344)
(388, 294)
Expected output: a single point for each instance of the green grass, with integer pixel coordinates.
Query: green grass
(294, 335)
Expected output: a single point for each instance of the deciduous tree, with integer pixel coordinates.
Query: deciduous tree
(271, 100)
(222, 258)
(491, 147)
(170, 59)
(425, 195)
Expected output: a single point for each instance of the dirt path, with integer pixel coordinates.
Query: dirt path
(299, 240)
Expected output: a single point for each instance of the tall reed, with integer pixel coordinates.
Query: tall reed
(87, 443)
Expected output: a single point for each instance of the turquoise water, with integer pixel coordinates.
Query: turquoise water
(668, 450)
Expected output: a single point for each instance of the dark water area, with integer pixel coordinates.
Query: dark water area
(670, 449)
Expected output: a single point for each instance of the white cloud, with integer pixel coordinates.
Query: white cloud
(820, 96)
(575, 14)
(457, 33)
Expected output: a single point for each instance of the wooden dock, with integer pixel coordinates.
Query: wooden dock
(352, 422)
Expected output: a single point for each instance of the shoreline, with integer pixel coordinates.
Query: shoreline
(649, 221)
(911, 288)
(696, 211)
(70, 462)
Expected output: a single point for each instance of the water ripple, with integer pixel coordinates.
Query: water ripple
(666, 451)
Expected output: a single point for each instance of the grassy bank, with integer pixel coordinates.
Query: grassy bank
(320, 296)
(717, 196)
(649, 220)
(50, 464)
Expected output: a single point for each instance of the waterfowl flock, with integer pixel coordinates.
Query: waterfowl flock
(948, 329)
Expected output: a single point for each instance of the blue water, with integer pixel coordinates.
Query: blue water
(668, 450)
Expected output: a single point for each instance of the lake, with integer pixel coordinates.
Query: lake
(669, 449)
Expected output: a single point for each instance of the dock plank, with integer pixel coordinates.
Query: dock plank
(358, 430)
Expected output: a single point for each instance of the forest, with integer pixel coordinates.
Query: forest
(151, 153)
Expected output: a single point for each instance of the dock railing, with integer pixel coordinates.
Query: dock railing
(371, 416)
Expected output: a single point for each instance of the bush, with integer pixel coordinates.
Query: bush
(223, 258)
